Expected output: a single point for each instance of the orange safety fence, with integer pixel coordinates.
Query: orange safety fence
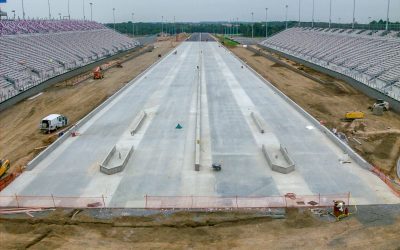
(237, 202)
(391, 183)
(178, 202)
(5, 181)
(52, 202)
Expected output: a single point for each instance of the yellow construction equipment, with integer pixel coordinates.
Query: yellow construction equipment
(350, 116)
(4, 166)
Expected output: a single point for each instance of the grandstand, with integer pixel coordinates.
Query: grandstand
(33, 51)
(370, 57)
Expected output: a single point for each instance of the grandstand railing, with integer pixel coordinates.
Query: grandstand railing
(358, 26)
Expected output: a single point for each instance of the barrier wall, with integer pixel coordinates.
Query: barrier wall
(108, 157)
(68, 133)
(118, 168)
(258, 123)
(198, 118)
(279, 168)
(138, 122)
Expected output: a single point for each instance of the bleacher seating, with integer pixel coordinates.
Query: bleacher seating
(34, 51)
(369, 57)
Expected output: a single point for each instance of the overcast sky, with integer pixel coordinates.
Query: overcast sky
(207, 10)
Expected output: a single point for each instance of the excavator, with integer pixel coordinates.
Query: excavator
(4, 167)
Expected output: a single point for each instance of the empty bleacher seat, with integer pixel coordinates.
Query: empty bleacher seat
(370, 57)
(33, 51)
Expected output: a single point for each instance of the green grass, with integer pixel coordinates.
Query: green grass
(227, 41)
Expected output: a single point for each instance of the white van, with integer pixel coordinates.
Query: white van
(53, 122)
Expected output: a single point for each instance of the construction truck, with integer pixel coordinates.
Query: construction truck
(4, 167)
(98, 73)
(381, 103)
(53, 122)
(350, 116)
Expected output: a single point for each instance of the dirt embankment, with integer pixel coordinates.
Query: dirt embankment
(376, 137)
(20, 139)
(197, 230)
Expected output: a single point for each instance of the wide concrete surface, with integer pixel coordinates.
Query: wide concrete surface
(163, 161)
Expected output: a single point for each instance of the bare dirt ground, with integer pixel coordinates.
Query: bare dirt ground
(20, 138)
(198, 230)
(379, 135)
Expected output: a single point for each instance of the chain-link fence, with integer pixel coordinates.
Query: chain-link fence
(237, 202)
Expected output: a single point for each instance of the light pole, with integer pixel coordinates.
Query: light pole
(133, 25)
(83, 8)
(162, 25)
(354, 13)
(114, 17)
(313, 11)
(59, 15)
(237, 25)
(330, 13)
(69, 15)
(266, 22)
(387, 15)
(369, 23)
(252, 23)
(232, 27)
(91, 11)
(299, 11)
(287, 6)
(48, 4)
(23, 10)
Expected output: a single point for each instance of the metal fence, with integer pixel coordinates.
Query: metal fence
(334, 25)
(177, 202)
(238, 202)
(393, 184)
(52, 202)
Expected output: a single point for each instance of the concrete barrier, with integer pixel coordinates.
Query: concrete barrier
(107, 167)
(258, 121)
(33, 163)
(138, 122)
(283, 165)
(346, 148)
(198, 121)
